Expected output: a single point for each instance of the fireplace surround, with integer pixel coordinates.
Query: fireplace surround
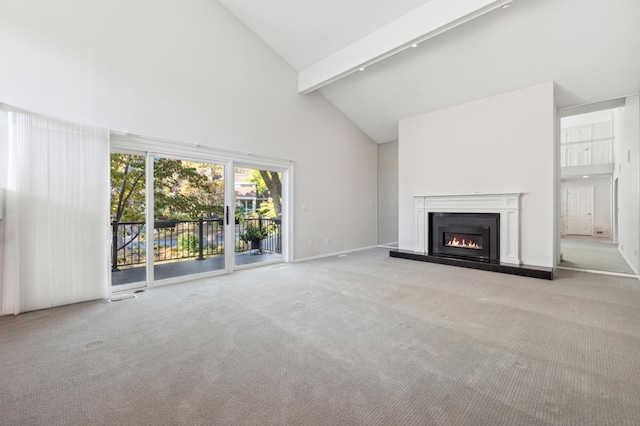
(505, 205)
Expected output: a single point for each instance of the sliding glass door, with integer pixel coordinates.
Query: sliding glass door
(177, 215)
(182, 202)
(188, 217)
(258, 215)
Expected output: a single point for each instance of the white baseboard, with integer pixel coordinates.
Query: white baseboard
(337, 253)
(595, 271)
(391, 245)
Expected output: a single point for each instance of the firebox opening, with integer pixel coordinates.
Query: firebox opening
(465, 241)
(474, 236)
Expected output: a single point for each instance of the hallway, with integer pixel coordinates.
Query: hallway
(592, 253)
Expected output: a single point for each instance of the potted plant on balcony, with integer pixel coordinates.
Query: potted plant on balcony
(253, 235)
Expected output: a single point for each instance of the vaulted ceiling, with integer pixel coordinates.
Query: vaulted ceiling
(467, 50)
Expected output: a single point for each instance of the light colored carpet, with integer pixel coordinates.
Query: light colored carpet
(592, 254)
(358, 340)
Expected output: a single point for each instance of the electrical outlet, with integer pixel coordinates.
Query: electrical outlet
(328, 240)
(310, 243)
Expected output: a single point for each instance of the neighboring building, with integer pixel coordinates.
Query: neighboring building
(246, 192)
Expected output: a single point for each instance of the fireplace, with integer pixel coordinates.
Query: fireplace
(446, 232)
(474, 236)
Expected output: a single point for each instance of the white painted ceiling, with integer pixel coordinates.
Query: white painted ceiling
(589, 48)
(303, 32)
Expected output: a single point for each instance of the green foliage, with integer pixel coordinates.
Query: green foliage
(261, 186)
(240, 212)
(188, 190)
(127, 187)
(253, 232)
(269, 184)
(182, 189)
(267, 209)
(241, 246)
(219, 248)
(188, 242)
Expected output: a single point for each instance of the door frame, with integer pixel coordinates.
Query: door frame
(614, 211)
(149, 147)
(286, 226)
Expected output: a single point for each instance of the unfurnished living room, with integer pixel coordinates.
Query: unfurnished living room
(416, 212)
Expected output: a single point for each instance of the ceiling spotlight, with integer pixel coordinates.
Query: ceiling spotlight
(362, 69)
(585, 177)
(414, 45)
(504, 6)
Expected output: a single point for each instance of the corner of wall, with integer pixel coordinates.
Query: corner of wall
(388, 193)
(557, 173)
(4, 154)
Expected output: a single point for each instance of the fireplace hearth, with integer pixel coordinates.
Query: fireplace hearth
(473, 236)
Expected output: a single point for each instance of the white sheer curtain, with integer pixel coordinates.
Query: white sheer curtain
(56, 248)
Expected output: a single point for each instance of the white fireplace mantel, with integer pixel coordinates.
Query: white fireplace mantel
(507, 205)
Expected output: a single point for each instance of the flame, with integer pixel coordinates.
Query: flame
(455, 242)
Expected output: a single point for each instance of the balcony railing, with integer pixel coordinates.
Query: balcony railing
(175, 240)
(586, 153)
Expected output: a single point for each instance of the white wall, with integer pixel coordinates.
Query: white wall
(189, 71)
(627, 171)
(499, 144)
(4, 154)
(388, 193)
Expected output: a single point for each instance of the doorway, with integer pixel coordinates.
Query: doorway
(259, 215)
(588, 195)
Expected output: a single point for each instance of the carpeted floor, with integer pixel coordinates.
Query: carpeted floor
(363, 339)
(593, 254)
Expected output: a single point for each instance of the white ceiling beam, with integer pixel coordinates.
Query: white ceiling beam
(428, 20)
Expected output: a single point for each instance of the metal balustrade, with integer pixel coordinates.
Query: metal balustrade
(175, 240)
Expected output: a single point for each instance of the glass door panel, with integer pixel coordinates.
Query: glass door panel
(128, 230)
(188, 218)
(258, 232)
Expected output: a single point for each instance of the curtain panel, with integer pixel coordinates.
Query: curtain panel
(57, 208)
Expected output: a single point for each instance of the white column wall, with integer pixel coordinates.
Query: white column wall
(500, 144)
(388, 193)
(4, 154)
(189, 71)
(628, 174)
